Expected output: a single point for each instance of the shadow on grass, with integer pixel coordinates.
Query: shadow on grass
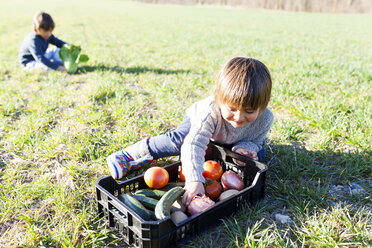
(304, 180)
(132, 70)
(295, 161)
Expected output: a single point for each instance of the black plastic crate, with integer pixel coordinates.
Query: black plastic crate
(164, 233)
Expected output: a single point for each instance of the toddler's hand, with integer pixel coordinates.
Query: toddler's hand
(191, 190)
(61, 68)
(250, 154)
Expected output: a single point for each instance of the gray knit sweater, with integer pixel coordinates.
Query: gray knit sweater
(208, 124)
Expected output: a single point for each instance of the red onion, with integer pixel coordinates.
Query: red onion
(231, 180)
(199, 204)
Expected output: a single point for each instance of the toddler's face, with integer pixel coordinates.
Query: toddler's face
(237, 116)
(44, 33)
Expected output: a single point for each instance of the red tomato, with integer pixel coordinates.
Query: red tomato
(212, 170)
(156, 177)
(182, 176)
(213, 189)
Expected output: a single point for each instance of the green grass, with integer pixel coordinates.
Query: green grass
(148, 64)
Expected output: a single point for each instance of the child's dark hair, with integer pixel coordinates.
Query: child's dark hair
(43, 21)
(244, 82)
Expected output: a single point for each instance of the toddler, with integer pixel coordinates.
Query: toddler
(236, 114)
(34, 52)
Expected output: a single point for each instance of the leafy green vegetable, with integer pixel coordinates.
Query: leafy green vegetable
(71, 57)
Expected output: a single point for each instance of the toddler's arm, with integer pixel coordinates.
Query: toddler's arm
(193, 149)
(57, 42)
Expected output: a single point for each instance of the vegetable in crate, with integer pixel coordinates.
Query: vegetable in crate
(212, 169)
(182, 176)
(147, 202)
(199, 204)
(153, 193)
(231, 180)
(226, 194)
(212, 189)
(71, 57)
(178, 206)
(135, 205)
(178, 216)
(156, 177)
(163, 207)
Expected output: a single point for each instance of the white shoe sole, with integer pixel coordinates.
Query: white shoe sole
(115, 169)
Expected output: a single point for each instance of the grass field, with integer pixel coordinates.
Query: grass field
(148, 64)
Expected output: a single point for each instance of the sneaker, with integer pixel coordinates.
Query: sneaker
(131, 158)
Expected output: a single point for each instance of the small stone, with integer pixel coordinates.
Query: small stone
(339, 188)
(283, 219)
(355, 186)
(70, 184)
(357, 191)
(61, 147)
(60, 174)
(335, 188)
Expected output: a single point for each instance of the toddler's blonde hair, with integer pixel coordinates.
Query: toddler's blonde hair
(244, 82)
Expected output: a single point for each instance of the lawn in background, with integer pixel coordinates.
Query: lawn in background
(148, 63)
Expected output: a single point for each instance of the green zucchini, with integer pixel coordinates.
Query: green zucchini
(148, 202)
(162, 209)
(135, 205)
(152, 193)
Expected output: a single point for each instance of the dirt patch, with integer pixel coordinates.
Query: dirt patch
(5, 157)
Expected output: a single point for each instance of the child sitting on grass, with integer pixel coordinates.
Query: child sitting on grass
(236, 114)
(34, 52)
